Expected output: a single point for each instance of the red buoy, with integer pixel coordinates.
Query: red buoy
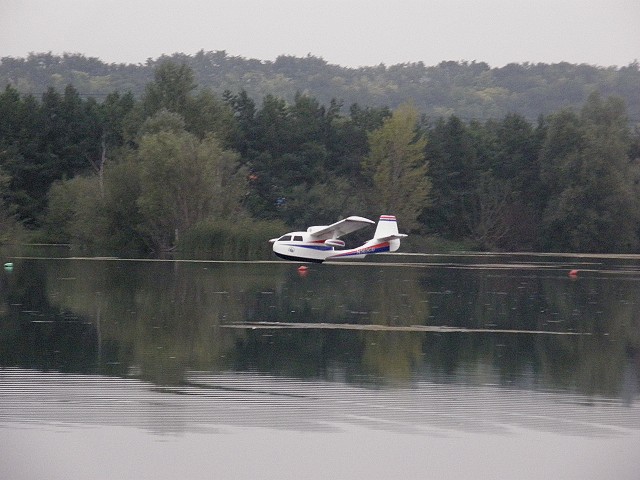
(303, 270)
(573, 273)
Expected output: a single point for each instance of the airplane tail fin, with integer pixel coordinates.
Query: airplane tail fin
(387, 226)
(387, 230)
(386, 239)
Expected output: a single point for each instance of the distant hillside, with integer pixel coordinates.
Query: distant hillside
(469, 90)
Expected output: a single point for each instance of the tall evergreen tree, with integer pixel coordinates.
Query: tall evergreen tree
(454, 173)
(591, 180)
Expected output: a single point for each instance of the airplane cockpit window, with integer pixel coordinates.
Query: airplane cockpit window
(284, 238)
(297, 238)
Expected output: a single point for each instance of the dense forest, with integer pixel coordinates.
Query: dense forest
(469, 90)
(182, 165)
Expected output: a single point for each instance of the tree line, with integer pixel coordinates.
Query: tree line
(470, 90)
(184, 167)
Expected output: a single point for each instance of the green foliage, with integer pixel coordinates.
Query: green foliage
(170, 89)
(183, 181)
(114, 111)
(45, 142)
(133, 175)
(173, 90)
(207, 114)
(466, 89)
(324, 203)
(453, 169)
(123, 217)
(11, 231)
(590, 179)
(75, 213)
(59, 137)
(397, 167)
(162, 121)
(486, 182)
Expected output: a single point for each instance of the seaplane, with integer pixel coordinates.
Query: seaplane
(322, 242)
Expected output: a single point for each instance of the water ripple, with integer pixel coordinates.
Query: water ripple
(209, 402)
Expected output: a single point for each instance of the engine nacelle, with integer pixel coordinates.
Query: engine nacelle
(334, 242)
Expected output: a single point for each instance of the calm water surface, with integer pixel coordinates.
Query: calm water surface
(478, 366)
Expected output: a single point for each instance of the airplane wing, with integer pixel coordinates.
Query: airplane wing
(338, 229)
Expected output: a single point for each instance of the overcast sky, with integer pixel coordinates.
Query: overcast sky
(346, 32)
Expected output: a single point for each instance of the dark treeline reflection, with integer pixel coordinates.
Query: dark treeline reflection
(159, 320)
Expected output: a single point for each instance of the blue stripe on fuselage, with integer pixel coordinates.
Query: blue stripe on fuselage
(310, 247)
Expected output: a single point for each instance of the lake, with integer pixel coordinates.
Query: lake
(410, 366)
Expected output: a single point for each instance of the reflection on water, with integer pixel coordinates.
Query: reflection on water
(211, 402)
(436, 347)
(399, 324)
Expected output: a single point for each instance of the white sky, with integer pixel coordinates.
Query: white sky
(345, 32)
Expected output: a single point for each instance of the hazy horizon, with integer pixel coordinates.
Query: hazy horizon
(349, 33)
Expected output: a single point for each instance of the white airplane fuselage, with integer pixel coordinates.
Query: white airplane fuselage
(298, 246)
(321, 243)
(308, 250)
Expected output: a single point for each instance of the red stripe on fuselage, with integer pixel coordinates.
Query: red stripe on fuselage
(380, 247)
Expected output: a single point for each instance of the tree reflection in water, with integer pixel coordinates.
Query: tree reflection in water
(160, 320)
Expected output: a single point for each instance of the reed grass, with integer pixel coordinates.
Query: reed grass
(229, 240)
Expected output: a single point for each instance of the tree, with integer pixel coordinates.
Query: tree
(489, 214)
(454, 172)
(348, 140)
(273, 127)
(120, 207)
(75, 213)
(207, 114)
(10, 228)
(170, 89)
(286, 151)
(592, 205)
(509, 183)
(44, 142)
(184, 180)
(397, 167)
(244, 111)
(163, 121)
